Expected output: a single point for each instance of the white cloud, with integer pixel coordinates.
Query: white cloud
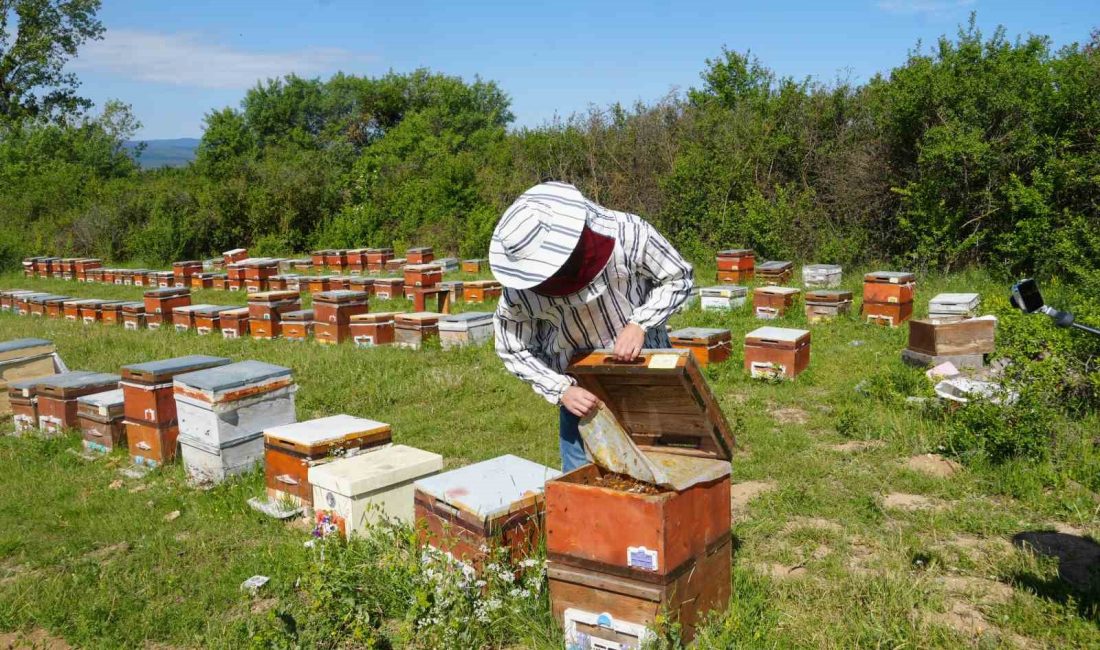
(185, 59)
(924, 7)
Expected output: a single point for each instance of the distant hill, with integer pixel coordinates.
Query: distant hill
(165, 153)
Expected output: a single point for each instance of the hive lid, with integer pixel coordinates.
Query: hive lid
(661, 400)
(375, 317)
(774, 265)
(42, 298)
(191, 309)
(29, 387)
(823, 268)
(779, 291)
(724, 291)
(424, 268)
(479, 260)
(828, 295)
(300, 315)
(736, 252)
(483, 284)
(235, 251)
(66, 383)
(233, 375)
(271, 296)
(340, 295)
(320, 431)
(106, 399)
(779, 334)
(707, 334)
(375, 470)
(50, 299)
(419, 249)
(84, 302)
(318, 278)
(164, 369)
(22, 347)
(381, 250)
(889, 277)
(490, 488)
(418, 317)
(469, 317)
(167, 292)
(133, 306)
(238, 312)
(968, 299)
(389, 281)
(187, 263)
(213, 310)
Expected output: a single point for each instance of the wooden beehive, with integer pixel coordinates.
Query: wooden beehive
(389, 288)
(423, 275)
(889, 314)
(21, 360)
(467, 328)
(22, 397)
(319, 283)
(377, 258)
(826, 304)
(57, 395)
(185, 319)
(414, 329)
(297, 325)
(419, 255)
(90, 311)
(234, 323)
(336, 259)
(147, 387)
(722, 297)
(55, 307)
(151, 445)
(934, 337)
(292, 449)
(498, 501)
(736, 259)
(892, 287)
(100, 417)
(773, 302)
(473, 266)
(777, 352)
(775, 272)
(708, 345)
(159, 304)
(394, 264)
(333, 311)
(369, 330)
(110, 313)
(822, 276)
(960, 305)
(235, 255)
(271, 305)
(133, 315)
(219, 405)
(477, 291)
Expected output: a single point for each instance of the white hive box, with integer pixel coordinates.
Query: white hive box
(954, 304)
(722, 297)
(822, 276)
(213, 463)
(360, 490)
(240, 400)
(592, 631)
(469, 328)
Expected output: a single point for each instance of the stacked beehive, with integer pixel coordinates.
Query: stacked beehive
(159, 304)
(23, 359)
(736, 266)
(951, 333)
(183, 271)
(151, 418)
(333, 311)
(223, 412)
(775, 273)
(627, 551)
(827, 304)
(377, 258)
(888, 297)
(266, 309)
(468, 328)
(58, 394)
(298, 325)
(101, 420)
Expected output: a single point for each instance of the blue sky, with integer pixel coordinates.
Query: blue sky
(174, 61)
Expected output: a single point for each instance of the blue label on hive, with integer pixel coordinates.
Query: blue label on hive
(640, 557)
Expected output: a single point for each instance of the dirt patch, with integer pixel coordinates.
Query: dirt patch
(302, 524)
(909, 502)
(106, 552)
(742, 493)
(812, 522)
(1078, 556)
(979, 590)
(978, 548)
(860, 557)
(263, 605)
(933, 465)
(857, 446)
(791, 415)
(781, 571)
(964, 619)
(33, 640)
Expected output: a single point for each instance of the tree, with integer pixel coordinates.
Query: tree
(37, 39)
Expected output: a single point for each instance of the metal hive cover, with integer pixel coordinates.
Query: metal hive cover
(489, 488)
(233, 375)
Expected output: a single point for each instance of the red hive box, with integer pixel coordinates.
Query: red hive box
(395, 264)
(100, 417)
(297, 325)
(389, 288)
(235, 255)
(773, 302)
(736, 259)
(265, 312)
(423, 275)
(357, 261)
(182, 272)
(159, 304)
(149, 444)
(336, 259)
(89, 311)
(260, 269)
(57, 395)
(236, 271)
(368, 330)
(234, 323)
(777, 352)
(219, 281)
(480, 291)
(202, 281)
(333, 311)
(366, 285)
(70, 308)
(319, 283)
(339, 283)
(23, 400)
(133, 315)
(55, 307)
(708, 345)
(888, 297)
(207, 318)
(419, 255)
(635, 554)
(317, 259)
(110, 313)
(377, 258)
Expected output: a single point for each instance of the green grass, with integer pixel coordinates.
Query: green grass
(869, 576)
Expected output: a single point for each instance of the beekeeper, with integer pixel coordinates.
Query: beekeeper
(579, 277)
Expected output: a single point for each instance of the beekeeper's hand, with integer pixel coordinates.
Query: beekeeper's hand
(579, 402)
(629, 342)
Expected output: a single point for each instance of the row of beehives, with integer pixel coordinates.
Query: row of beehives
(739, 265)
(254, 274)
(619, 555)
(336, 317)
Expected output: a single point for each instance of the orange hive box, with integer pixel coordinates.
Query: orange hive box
(419, 255)
(159, 304)
(369, 330)
(423, 275)
(297, 325)
(333, 311)
(777, 352)
(57, 395)
(772, 302)
(709, 345)
(480, 291)
(234, 323)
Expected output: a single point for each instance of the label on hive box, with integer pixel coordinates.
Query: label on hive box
(363, 341)
(767, 370)
(663, 361)
(640, 557)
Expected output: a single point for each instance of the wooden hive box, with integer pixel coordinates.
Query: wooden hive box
(235, 255)
(110, 313)
(22, 397)
(362, 283)
(333, 311)
(394, 264)
(708, 345)
(467, 328)
(775, 272)
(477, 291)
(21, 360)
(357, 261)
(354, 492)
(38, 303)
(826, 304)
(777, 352)
(935, 337)
(94, 275)
(722, 298)
(100, 416)
(234, 323)
(71, 308)
(57, 395)
(769, 303)
(292, 449)
(736, 259)
(297, 325)
(369, 330)
(474, 265)
(182, 272)
(389, 288)
(317, 258)
(260, 268)
(423, 275)
(219, 405)
(151, 445)
(90, 311)
(207, 463)
(497, 501)
(139, 277)
(340, 283)
(133, 315)
(377, 258)
(336, 259)
(888, 314)
(959, 305)
(419, 255)
(185, 319)
(890, 287)
(236, 272)
(208, 318)
(277, 283)
(202, 281)
(625, 551)
(454, 288)
(159, 304)
(822, 276)
(147, 387)
(319, 283)
(23, 304)
(271, 305)
(413, 330)
(55, 307)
